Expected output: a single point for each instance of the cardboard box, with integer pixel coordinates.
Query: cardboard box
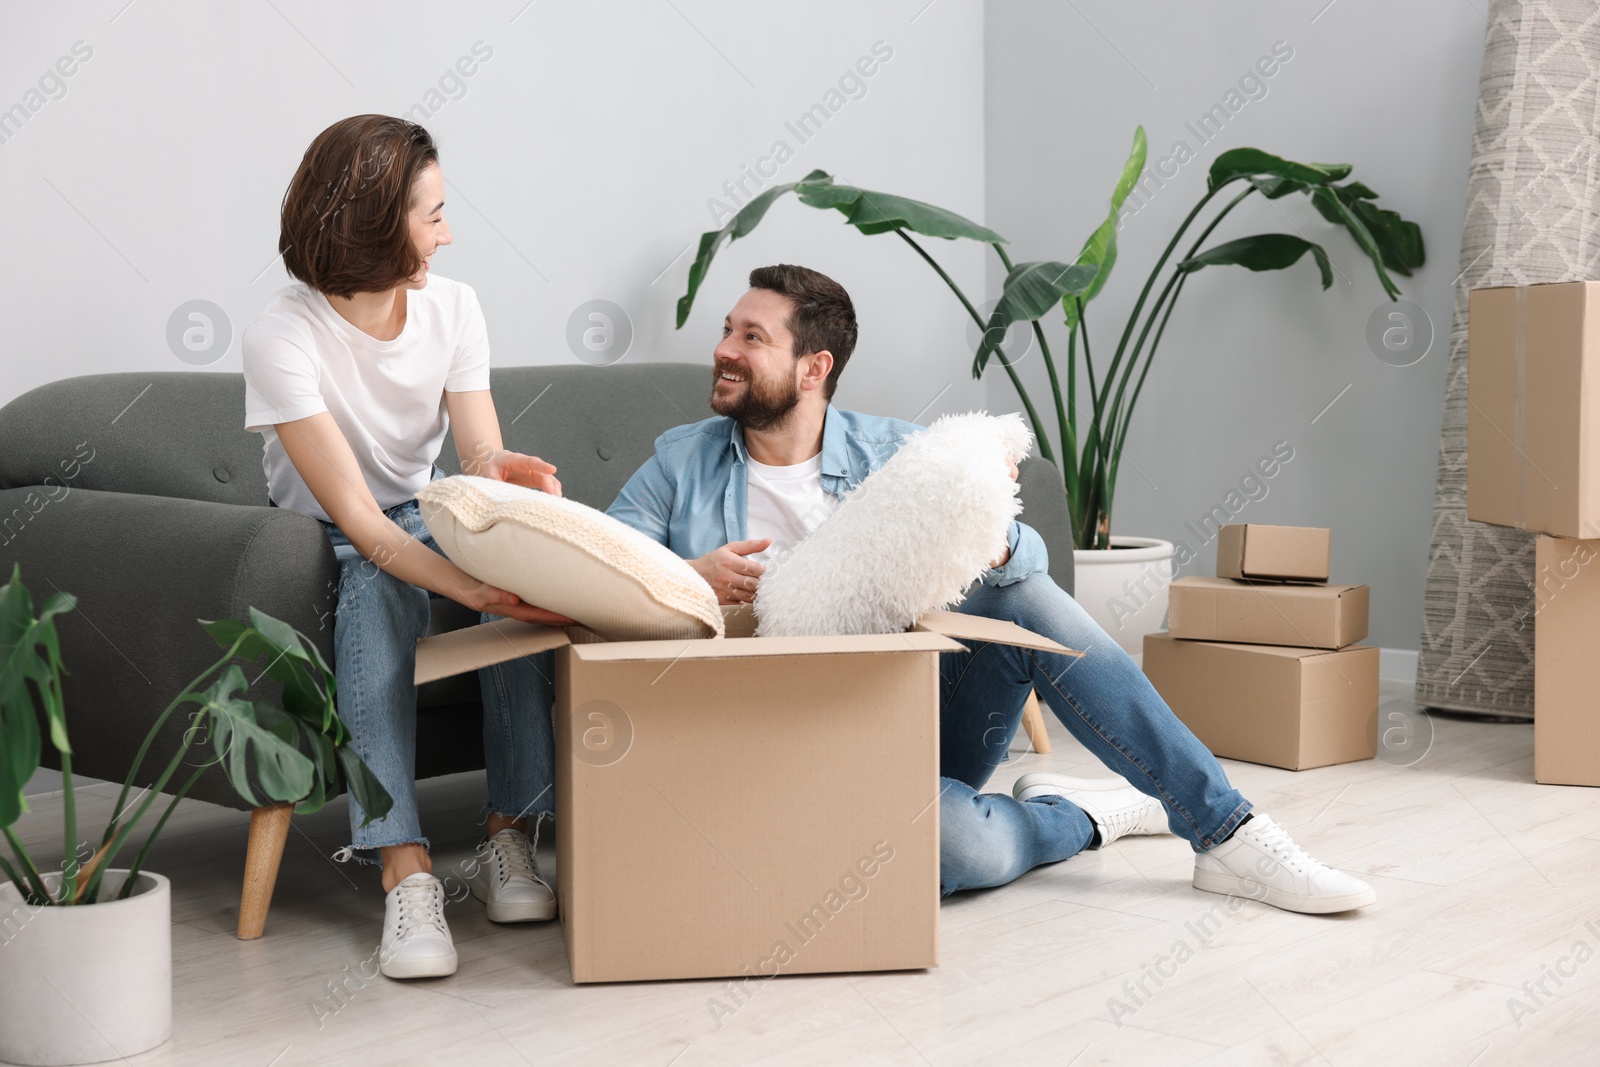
(1566, 670)
(1273, 553)
(742, 806)
(1533, 386)
(1225, 609)
(1295, 708)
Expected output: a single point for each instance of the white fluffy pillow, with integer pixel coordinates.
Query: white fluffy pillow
(568, 558)
(910, 538)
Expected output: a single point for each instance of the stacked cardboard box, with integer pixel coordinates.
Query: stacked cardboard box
(1261, 662)
(1533, 386)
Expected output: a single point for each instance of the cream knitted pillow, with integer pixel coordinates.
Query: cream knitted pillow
(569, 558)
(910, 538)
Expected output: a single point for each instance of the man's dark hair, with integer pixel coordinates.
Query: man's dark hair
(823, 317)
(345, 226)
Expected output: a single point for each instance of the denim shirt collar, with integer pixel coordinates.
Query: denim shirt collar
(835, 451)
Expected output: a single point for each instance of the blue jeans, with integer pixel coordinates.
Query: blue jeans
(376, 626)
(1103, 698)
(989, 839)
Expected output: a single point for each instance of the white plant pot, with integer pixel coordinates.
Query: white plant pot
(86, 983)
(1124, 588)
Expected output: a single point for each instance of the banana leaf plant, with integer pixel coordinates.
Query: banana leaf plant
(287, 754)
(1092, 436)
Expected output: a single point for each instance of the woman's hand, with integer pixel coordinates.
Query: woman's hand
(496, 601)
(518, 469)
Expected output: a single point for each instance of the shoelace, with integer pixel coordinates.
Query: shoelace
(420, 905)
(514, 859)
(1276, 840)
(1121, 823)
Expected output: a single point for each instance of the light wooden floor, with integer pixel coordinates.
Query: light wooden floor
(1485, 882)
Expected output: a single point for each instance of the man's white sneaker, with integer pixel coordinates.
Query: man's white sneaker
(416, 940)
(1115, 807)
(507, 880)
(1261, 862)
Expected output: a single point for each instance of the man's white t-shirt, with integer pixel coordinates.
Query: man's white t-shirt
(301, 358)
(785, 504)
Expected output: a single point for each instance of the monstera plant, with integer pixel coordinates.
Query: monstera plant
(292, 753)
(1091, 435)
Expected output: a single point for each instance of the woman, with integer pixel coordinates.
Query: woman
(352, 376)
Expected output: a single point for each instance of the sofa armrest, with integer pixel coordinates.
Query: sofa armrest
(145, 569)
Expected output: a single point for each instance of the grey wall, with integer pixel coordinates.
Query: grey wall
(580, 157)
(1251, 359)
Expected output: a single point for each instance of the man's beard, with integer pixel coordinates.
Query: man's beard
(759, 406)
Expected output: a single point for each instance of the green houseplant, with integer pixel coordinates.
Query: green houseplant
(293, 753)
(1092, 435)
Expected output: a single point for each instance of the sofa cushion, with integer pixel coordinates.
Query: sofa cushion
(568, 558)
(912, 537)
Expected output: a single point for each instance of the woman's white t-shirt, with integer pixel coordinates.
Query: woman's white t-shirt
(301, 358)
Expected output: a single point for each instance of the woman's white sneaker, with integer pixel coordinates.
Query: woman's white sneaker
(1116, 808)
(1261, 862)
(416, 940)
(507, 880)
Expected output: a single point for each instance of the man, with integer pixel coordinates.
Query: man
(778, 456)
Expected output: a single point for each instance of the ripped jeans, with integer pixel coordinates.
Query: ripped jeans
(377, 623)
(1103, 698)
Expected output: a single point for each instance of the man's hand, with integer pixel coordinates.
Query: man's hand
(732, 577)
(1005, 551)
(518, 469)
(496, 601)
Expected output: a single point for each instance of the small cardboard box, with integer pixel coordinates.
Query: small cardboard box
(1294, 708)
(742, 806)
(1273, 553)
(1258, 613)
(1533, 388)
(1566, 671)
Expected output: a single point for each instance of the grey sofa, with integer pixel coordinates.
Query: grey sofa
(142, 494)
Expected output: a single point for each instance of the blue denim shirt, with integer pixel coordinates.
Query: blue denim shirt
(690, 495)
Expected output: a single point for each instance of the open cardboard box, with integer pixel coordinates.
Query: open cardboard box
(743, 806)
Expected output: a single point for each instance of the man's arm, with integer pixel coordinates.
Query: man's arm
(645, 503)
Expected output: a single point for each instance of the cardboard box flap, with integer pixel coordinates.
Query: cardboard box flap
(484, 645)
(734, 648)
(990, 631)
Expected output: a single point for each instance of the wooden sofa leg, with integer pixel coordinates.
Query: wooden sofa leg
(269, 832)
(1033, 722)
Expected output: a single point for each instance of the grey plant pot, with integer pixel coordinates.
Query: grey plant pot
(89, 983)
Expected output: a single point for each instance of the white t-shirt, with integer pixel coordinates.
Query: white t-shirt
(301, 357)
(785, 504)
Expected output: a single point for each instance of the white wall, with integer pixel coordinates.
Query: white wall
(1251, 359)
(580, 155)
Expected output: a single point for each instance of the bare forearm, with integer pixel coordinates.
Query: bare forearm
(385, 544)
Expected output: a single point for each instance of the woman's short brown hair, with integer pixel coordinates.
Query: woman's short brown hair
(345, 227)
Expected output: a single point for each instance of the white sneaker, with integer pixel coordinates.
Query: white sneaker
(1261, 862)
(416, 940)
(507, 880)
(1115, 807)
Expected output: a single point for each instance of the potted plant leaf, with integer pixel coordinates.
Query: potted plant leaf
(86, 958)
(1091, 420)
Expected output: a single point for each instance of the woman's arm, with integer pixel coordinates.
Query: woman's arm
(476, 427)
(323, 458)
